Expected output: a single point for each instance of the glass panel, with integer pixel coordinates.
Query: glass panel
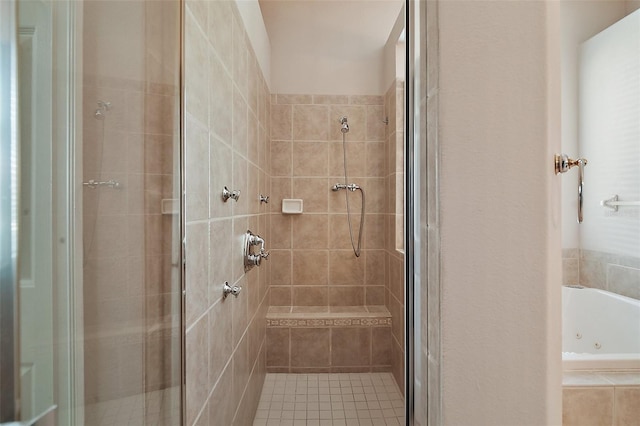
(8, 213)
(131, 227)
(100, 292)
(46, 315)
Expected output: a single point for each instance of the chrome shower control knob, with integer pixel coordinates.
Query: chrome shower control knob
(226, 194)
(227, 290)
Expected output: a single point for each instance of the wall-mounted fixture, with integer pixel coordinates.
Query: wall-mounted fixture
(227, 290)
(101, 111)
(170, 206)
(292, 206)
(226, 194)
(562, 165)
(253, 259)
(614, 202)
(93, 184)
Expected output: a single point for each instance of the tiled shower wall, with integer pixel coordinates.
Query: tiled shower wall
(312, 262)
(606, 271)
(227, 124)
(131, 289)
(394, 217)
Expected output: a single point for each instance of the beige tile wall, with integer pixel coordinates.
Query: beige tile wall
(394, 217)
(131, 291)
(606, 271)
(312, 263)
(227, 128)
(337, 349)
(601, 405)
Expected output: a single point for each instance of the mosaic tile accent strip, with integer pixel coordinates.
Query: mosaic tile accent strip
(341, 322)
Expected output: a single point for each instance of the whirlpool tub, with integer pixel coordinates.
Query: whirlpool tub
(600, 330)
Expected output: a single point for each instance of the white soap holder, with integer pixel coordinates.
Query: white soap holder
(170, 206)
(292, 206)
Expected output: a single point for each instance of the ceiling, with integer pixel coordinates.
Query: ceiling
(330, 25)
(327, 30)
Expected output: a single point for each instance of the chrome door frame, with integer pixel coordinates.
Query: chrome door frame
(9, 173)
(422, 211)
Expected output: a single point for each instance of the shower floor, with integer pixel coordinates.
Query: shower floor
(335, 399)
(157, 408)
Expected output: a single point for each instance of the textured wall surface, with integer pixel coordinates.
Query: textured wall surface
(499, 225)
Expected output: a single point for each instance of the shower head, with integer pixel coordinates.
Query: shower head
(345, 125)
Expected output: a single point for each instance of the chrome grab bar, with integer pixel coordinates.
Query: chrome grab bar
(563, 164)
(614, 202)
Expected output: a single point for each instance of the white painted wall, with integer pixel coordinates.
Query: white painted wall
(500, 222)
(394, 55)
(580, 20)
(328, 47)
(257, 31)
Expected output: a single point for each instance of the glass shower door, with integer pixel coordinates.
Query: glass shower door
(90, 236)
(131, 212)
(37, 329)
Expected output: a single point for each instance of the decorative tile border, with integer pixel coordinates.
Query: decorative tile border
(333, 322)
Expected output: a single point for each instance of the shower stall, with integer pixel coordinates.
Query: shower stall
(153, 160)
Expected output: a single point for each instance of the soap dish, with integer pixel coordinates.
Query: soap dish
(292, 206)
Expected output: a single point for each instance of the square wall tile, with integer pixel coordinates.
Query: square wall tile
(587, 406)
(627, 406)
(280, 267)
(346, 296)
(381, 346)
(310, 159)
(280, 296)
(350, 346)
(345, 268)
(310, 122)
(277, 347)
(310, 347)
(310, 296)
(314, 192)
(310, 231)
(280, 231)
(281, 122)
(281, 160)
(310, 267)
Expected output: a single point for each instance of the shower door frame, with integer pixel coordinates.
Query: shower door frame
(422, 213)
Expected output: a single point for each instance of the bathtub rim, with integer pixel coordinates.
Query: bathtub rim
(600, 362)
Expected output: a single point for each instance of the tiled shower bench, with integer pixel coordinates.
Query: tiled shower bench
(320, 339)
